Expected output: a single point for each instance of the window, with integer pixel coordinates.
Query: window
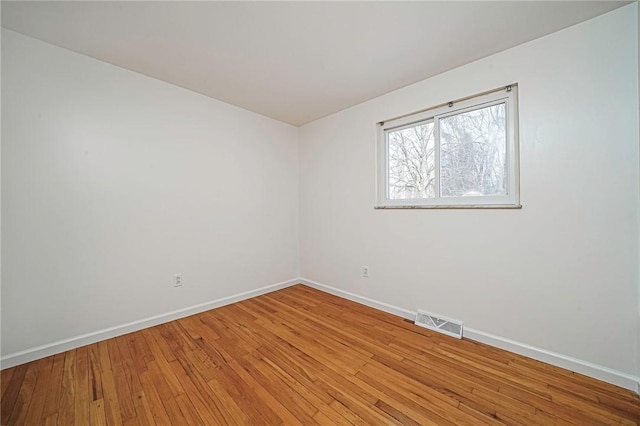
(463, 154)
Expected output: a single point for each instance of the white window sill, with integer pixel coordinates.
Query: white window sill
(462, 206)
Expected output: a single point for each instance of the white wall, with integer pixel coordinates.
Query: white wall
(638, 64)
(562, 273)
(113, 181)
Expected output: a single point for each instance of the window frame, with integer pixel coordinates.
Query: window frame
(507, 95)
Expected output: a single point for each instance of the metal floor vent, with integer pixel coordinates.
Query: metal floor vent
(438, 323)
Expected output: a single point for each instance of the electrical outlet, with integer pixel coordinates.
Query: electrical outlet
(365, 272)
(177, 280)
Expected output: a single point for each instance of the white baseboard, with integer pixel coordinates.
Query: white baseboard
(587, 368)
(404, 313)
(618, 378)
(38, 352)
(599, 372)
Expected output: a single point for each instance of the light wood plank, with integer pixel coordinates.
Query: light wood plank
(82, 397)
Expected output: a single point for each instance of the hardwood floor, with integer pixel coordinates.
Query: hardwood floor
(300, 356)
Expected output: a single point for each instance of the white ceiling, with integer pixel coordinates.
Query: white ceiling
(293, 61)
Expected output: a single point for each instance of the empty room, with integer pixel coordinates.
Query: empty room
(336, 213)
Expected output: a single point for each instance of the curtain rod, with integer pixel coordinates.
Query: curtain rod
(507, 88)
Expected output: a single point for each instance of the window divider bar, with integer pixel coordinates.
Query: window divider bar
(436, 153)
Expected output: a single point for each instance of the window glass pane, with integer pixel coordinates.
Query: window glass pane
(411, 162)
(473, 149)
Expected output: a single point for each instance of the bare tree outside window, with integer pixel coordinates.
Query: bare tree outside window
(460, 154)
(472, 156)
(473, 148)
(411, 162)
